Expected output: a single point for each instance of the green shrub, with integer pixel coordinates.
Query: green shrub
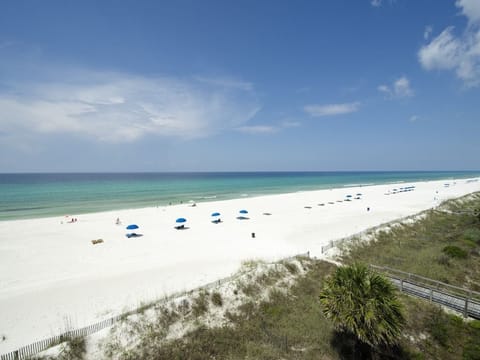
(269, 278)
(74, 349)
(184, 307)
(250, 289)
(437, 325)
(167, 316)
(200, 304)
(472, 234)
(475, 324)
(471, 351)
(292, 268)
(455, 252)
(470, 243)
(456, 320)
(217, 299)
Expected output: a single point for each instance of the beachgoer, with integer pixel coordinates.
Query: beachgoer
(368, 209)
(118, 221)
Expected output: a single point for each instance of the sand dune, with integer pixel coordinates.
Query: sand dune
(53, 277)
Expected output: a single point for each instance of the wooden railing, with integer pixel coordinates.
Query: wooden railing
(462, 300)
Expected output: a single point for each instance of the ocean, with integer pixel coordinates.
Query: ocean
(26, 196)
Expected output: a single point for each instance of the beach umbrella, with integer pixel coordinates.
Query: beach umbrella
(132, 227)
(216, 217)
(349, 196)
(180, 223)
(243, 212)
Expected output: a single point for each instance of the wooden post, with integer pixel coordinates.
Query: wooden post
(431, 295)
(401, 285)
(465, 313)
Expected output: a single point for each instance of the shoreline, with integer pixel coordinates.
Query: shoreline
(52, 276)
(96, 195)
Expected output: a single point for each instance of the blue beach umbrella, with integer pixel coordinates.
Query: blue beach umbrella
(349, 196)
(216, 217)
(132, 227)
(181, 220)
(243, 212)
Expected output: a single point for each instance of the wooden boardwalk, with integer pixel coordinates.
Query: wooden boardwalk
(464, 301)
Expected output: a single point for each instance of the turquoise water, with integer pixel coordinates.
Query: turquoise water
(41, 195)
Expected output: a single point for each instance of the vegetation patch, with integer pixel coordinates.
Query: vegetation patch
(217, 299)
(472, 234)
(200, 304)
(455, 252)
(418, 247)
(250, 289)
(291, 267)
(73, 349)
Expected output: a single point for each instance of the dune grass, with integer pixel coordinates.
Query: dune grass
(284, 323)
(443, 245)
(290, 325)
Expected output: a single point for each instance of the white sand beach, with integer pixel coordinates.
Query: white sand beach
(52, 277)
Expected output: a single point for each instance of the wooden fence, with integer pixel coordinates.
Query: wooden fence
(369, 231)
(30, 350)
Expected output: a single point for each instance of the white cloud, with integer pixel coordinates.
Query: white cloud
(414, 118)
(331, 109)
(290, 124)
(427, 32)
(258, 129)
(268, 129)
(378, 3)
(458, 53)
(384, 88)
(443, 52)
(125, 108)
(400, 88)
(471, 9)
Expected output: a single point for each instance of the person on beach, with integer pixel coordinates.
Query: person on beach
(118, 221)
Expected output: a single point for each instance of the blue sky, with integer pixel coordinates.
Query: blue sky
(239, 85)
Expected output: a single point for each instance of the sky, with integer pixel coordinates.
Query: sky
(279, 85)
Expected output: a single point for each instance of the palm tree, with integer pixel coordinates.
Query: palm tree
(364, 303)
